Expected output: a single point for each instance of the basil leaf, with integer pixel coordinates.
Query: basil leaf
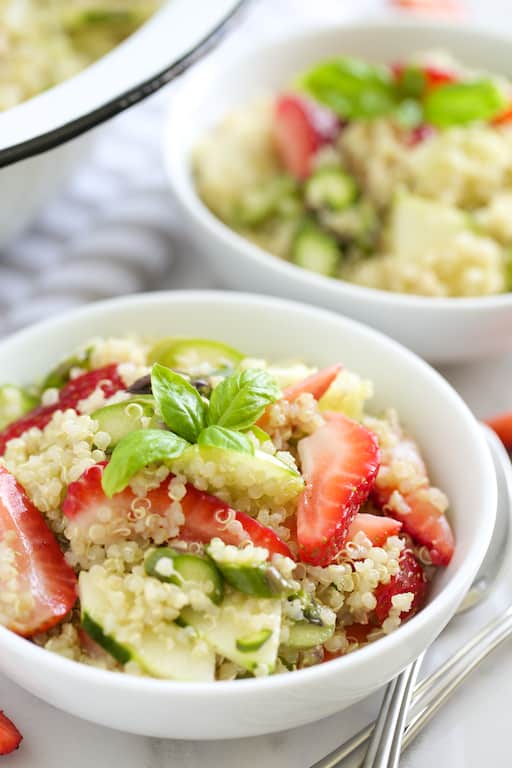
(240, 400)
(411, 83)
(462, 103)
(135, 451)
(220, 437)
(182, 407)
(350, 87)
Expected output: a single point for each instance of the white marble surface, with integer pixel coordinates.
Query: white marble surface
(472, 728)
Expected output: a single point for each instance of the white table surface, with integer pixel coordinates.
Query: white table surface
(473, 729)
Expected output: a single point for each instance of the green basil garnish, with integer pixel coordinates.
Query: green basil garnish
(182, 407)
(220, 437)
(462, 103)
(240, 400)
(135, 451)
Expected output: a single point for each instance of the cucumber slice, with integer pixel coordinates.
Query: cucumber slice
(238, 617)
(14, 403)
(261, 580)
(169, 653)
(276, 197)
(304, 634)
(122, 418)
(185, 354)
(330, 188)
(237, 476)
(167, 564)
(253, 642)
(315, 250)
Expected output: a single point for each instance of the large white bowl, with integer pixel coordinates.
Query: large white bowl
(444, 427)
(441, 330)
(35, 159)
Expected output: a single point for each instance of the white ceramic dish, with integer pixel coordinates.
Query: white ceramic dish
(163, 48)
(441, 330)
(444, 427)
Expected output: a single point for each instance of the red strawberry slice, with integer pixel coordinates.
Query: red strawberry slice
(69, 396)
(377, 528)
(421, 518)
(437, 76)
(205, 515)
(317, 384)
(10, 737)
(339, 463)
(300, 128)
(40, 564)
(410, 578)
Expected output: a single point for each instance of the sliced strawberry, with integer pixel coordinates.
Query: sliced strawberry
(425, 522)
(317, 384)
(410, 578)
(377, 528)
(10, 737)
(437, 76)
(300, 128)
(106, 378)
(502, 424)
(205, 515)
(504, 117)
(41, 568)
(339, 463)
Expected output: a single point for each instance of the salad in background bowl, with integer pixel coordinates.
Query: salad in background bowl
(228, 520)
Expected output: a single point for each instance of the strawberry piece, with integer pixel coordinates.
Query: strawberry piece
(410, 578)
(41, 568)
(10, 737)
(317, 384)
(436, 77)
(504, 117)
(421, 518)
(339, 464)
(377, 528)
(502, 424)
(205, 515)
(300, 128)
(69, 396)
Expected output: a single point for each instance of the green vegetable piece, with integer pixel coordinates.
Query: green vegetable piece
(135, 451)
(409, 113)
(259, 433)
(122, 418)
(14, 403)
(240, 400)
(350, 87)
(186, 353)
(225, 438)
(95, 632)
(315, 250)
(278, 196)
(174, 567)
(259, 579)
(304, 634)
(331, 188)
(254, 641)
(60, 374)
(463, 103)
(182, 407)
(411, 83)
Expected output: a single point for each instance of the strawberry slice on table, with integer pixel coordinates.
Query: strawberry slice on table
(425, 522)
(205, 515)
(377, 528)
(410, 578)
(300, 128)
(339, 463)
(107, 378)
(10, 737)
(42, 571)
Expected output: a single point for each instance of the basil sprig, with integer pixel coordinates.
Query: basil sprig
(220, 437)
(182, 407)
(239, 400)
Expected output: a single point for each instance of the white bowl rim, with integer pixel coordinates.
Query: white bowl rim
(175, 159)
(430, 613)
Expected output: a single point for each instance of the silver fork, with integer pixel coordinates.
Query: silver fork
(385, 747)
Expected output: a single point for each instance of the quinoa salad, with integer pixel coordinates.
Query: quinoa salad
(395, 177)
(43, 43)
(175, 509)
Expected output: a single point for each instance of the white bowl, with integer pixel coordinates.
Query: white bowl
(174, 38)
(441, 330)
(449, 437)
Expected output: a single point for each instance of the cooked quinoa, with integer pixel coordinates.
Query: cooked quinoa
(398, 200)
(198, 566)
(43, 43)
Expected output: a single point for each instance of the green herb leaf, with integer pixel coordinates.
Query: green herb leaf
(462, 103)
(221, 437)
(350, 87)
(240, 400)
(411, 83)
(135, 451)
(182, 407)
